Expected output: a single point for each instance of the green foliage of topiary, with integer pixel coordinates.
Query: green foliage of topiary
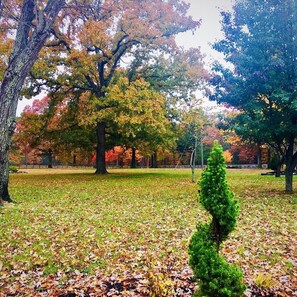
(216, 276)
(216, 196)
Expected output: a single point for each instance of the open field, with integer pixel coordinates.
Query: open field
(71, 233)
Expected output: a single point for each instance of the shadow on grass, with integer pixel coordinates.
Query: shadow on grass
(113, 174)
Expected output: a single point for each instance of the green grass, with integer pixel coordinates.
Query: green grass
(136, 221)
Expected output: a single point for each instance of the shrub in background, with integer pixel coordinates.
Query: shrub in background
(216, 276)
(13, 169)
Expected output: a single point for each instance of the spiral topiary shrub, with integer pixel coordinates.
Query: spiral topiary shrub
(217, 278)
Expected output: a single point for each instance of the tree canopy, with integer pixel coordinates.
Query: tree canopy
(101, 41)
(260, 79)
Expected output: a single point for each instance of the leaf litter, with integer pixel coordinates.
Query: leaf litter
(126, 234)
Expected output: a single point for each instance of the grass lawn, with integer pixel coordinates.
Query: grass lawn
(71, 233)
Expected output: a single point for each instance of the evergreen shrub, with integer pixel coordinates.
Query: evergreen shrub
(215, 275)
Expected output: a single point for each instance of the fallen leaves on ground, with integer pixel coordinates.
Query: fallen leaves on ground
(73, 233)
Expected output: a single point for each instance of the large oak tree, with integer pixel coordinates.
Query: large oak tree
(96, 44)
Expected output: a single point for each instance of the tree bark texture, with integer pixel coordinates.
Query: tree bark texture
(154, 160)
(278, 169)
(291, 162)
(50, 158)
(133, 159)
(25, 52)
(100, 150)
(289, 181)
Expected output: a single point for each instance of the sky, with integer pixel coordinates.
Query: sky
(208, 11)
(208, 33)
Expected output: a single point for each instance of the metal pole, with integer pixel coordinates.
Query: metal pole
(202, 157)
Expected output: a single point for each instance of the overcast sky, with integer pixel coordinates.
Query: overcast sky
(208, 11)
(210, 30)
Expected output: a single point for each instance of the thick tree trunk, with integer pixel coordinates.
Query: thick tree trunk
(25, 52)
(154, 160)
(279, 163)
(259, 156)
(4, 167)
(8, 103)
(50, 158)
(133, 160)
(100, 151)
(289, 180)
(278, 169)
(291, 161)
(9, 94)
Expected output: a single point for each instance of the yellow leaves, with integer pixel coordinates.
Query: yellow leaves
(195, 116)
(5, 50)
(264, 281)
(227, 156)
(5, 46)
(132, 106)
(87, 114)
(83, 64)
(268, 102)
(159, 282)
(95, 33)
(160, 286)
(139, 107)
(233, 139)
(263, 98)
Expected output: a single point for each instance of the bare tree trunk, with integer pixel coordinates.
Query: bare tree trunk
(289, 180)
(154, 163)
(133, 160)
(291, 161)
(278, 169)
(9, 94)
(4, 167)
(50, 158)
(25, 52)
(100, 151)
